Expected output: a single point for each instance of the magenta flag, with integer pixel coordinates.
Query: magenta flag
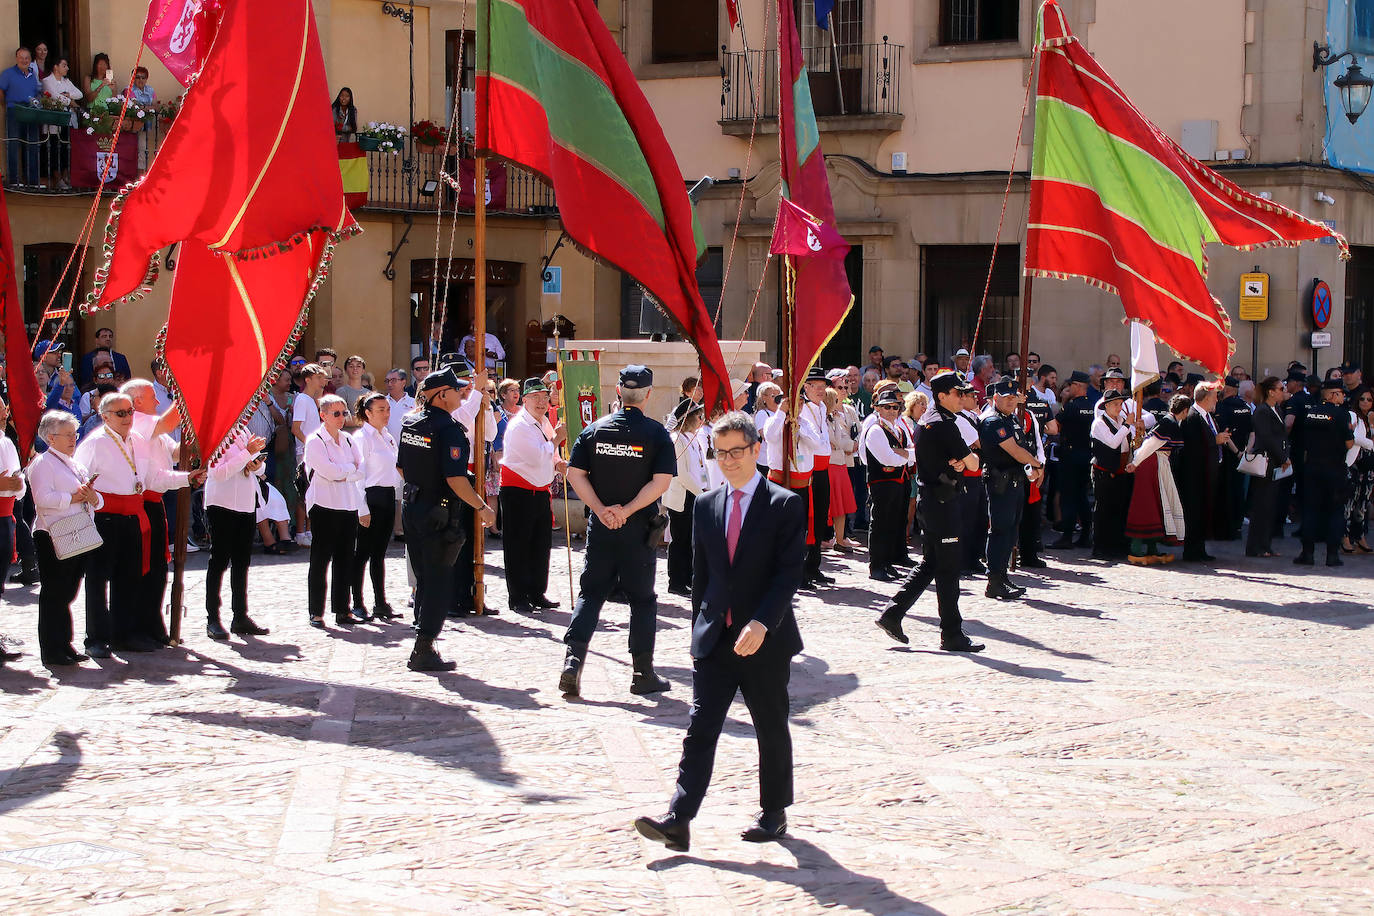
(170, 33)
(803, 235)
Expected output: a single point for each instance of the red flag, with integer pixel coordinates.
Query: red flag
(732, 8)
(248, 182)
(1115, 201)
(26, 401)
(169, 31)
(822, 288)
(801, 234)
(555, 95)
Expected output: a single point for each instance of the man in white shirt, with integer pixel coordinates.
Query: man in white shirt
(494, 349)
(1046, 380)
(159, 495)
(813, 431)
(231, 493)
(528, 464)
(305, 419)
(121, 471)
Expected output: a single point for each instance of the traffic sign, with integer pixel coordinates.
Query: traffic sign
(1321, 304)
(1254, 297)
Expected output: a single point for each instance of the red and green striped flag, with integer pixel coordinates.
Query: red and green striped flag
(555, 95)
(1116, 202)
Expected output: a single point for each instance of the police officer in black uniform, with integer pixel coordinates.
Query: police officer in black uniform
(433, 458)
(1291, 487)
(941, 459)
(1232, 415)
(1042, 423)
(620, 466)
(1075, 463)
(1326, 436)
(1006, 455)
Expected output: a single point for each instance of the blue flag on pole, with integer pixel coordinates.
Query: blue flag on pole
(823, 10)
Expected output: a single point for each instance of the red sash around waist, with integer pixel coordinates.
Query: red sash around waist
(131, 504)
(6, 506)
(800, 479)
(819, 463)
(152, 496)
(511, 479)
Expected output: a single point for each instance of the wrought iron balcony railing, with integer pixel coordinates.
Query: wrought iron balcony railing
(848, 79)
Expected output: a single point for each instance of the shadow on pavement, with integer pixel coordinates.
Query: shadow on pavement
(1065, 610)
(1314, 612)
(23, 784)
(18, 681)
(816, 873)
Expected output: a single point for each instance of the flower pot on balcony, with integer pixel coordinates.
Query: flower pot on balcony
(370, 144)
(27, 114)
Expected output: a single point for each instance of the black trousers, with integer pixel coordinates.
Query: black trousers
(621, 556)
(464, 579)
(58, 583)
(974, 534)
(432, 558)
(1004, 519)
(1259, 537)
(940, 563)
(820, 522)
(370, 555)
(154, 586)
(333, 533)
(1074, 484)
(231, 547)
(526, 540)
(114, 579)
(887, 529)
(680, 547)
(858, 479)
(1112, 500)
(1031, 524)
(9, 527)
(24, 514)
(1323, 506)
(715, 681)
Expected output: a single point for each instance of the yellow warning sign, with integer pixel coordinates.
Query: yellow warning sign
(1254, 297)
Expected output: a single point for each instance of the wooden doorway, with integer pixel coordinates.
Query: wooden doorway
(43, 266)
(434, 290)
(56, 23)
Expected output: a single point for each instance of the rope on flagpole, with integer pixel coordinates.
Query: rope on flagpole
(436, 307)
(564, 450)
(1006, 195)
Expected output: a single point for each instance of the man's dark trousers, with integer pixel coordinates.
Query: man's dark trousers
(621, 555)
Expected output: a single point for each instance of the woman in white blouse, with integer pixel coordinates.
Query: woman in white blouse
(61, 487)
(1360, 462)
(682, 494)
(333, 471)
(57, 85)
(378, 488)
(11, 489)
(231, 494)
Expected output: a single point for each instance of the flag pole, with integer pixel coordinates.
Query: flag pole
(182, 531)
(748, 70)
(835, 52)
(1025, 334)
(565, 450)
(479, 332)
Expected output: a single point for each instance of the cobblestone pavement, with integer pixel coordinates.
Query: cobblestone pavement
(1178, 740)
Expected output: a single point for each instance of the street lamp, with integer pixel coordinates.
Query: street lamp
(1354, 86)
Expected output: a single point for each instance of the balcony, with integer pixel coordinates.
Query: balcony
(854, 87)
(395, 182)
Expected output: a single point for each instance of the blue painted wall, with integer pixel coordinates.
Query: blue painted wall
(1349, 25)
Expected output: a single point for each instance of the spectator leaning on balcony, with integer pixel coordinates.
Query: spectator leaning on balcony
(19, 86)
(101, 83)
(57, 85)
(345, 116)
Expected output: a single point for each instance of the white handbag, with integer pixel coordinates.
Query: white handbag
(74, 534)
(1255, 465)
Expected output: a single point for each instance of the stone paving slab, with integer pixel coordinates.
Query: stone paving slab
(1164, 740)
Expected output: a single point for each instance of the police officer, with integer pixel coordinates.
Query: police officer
(1075, 463)
(1326, 436)
(1006, 455)
(973, 497)
(887, 452)
(1040, 422)
(620, 466)
(1291, 487)
(433, 458)
(941, 459)
(1233, 415)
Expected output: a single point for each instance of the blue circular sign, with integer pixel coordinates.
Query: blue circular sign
(1321, 304)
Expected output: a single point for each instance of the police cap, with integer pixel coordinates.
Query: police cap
(1297, 375)
(1006, 388)
(1230, 382)
(945, 382)
(1333, 384)
(1078, 376)
(444, 378)
(1193, 378)
(636, 376)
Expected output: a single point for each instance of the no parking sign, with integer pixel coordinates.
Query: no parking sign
(1321, 304)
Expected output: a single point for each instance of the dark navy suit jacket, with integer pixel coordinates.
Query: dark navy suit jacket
(764, 578)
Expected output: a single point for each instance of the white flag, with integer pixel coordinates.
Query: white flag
(1144, 360)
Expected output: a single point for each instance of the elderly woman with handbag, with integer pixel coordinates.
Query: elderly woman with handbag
(64, 533)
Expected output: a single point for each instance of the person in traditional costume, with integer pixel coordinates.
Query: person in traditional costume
(1156, 513)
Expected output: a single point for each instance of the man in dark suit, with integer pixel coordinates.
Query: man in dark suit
(749, 544)
(1196, 471)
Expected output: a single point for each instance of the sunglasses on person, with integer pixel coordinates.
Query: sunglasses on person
(335, 413)
(104, 375)
(889, 407)
(126, 412)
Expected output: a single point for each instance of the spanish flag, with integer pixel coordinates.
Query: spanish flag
(353, 167)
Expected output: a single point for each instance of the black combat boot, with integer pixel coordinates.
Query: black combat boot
(213, 628)
(570, 682)
(645, 680)
(424, 657)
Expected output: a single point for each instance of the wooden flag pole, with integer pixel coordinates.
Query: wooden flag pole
(182, 530)
(479, 331)
(566, 451)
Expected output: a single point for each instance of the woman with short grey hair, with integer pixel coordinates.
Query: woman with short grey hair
(61, 488)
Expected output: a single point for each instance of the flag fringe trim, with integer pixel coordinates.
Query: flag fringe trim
(278, 364)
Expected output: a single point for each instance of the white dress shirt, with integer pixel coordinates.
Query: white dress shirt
(749, 489)
(493, 345)
(1102, 432)
(813, 431)
(9, 463)
(54, 477)
(691, 472)
(306, 410)
(762, 417)
(399, 409)
(335, 470)
(161, 453)
(877, 443)
(229, 484)
(379, 457)
(529, 450)
(123, 464)
(466, 415)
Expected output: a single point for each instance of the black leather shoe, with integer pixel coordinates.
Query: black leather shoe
(1033, 563)
(883, 575)
(345, 620)
(768, 826)
(669, 831)
(892, 626)
(139, 644)
(97, 650)
(543, 603)
(317, 622)
(243, 625)
(967, 645)
(904, 560)
(681, 591)
(521, 607)
(822, 578)
(75, 658)
(461, 611)
(1003, 590)
(382, 611)
(215, 630)
(1303, 559)
(977, 569)
(359, 614)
